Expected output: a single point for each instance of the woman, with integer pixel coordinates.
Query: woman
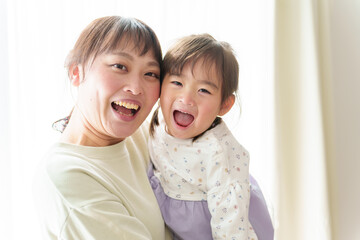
(93, 183)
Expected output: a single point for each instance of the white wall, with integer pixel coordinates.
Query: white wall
(5, 201)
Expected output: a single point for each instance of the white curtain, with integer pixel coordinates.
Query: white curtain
(343, 112)
(303, 205)
(35, 39)
(317, 119)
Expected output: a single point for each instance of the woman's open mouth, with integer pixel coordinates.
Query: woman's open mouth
(125, 108)
(183, 119)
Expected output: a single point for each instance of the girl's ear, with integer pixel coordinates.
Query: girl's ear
(227, 105)
(75, 74)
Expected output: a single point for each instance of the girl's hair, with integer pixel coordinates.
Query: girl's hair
(105, 34)
(205, 48)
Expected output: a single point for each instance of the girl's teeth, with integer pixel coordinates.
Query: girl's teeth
(127, 105)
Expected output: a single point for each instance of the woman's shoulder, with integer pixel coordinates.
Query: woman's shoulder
(70, 175)
(66, 161)
(62, 164)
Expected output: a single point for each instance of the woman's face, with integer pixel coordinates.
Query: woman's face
(117, 93)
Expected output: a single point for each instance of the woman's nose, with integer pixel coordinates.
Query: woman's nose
(133, 86)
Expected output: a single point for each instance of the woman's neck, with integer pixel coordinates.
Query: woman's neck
(80, 132)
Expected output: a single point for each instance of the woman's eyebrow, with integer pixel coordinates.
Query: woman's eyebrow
(123, 54)
(130, 57)
(153, 63)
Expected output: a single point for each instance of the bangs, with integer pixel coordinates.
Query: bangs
(211, 59)
(110, 33)
(129, 33)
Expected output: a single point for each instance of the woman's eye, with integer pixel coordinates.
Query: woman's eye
(120, 66)
(151, 74)
(176, 83)
(203, 90)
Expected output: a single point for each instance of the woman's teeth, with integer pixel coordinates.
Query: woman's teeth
(127, 105)
(125, 108)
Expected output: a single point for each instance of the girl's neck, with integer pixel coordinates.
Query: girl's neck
(80, 132)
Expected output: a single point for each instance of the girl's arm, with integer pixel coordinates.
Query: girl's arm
(229, 208)
(229, 196)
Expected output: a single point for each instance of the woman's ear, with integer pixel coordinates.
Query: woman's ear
(227, 105)
(75, 74)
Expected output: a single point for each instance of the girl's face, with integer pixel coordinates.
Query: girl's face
(191, 101)
(117, 93)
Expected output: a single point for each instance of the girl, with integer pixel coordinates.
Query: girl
(203, 170)
(93, 183)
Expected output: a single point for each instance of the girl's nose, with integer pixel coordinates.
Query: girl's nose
(187, 98)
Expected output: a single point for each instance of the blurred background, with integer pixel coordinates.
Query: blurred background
(299, 89)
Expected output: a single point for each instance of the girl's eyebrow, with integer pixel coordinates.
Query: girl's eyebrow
(210, 83)
(131, 58)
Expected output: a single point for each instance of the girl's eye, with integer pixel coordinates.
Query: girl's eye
(176, 83)
(151, 74)
(203, 90)
(120, 66)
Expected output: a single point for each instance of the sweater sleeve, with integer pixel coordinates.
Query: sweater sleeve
(94, 212)
(103, 220)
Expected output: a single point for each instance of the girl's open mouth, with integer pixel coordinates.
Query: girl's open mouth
(125, 108)
(183, 119)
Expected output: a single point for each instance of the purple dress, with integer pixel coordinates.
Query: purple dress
(197, 215)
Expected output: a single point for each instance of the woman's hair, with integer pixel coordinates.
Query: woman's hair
(205, 48)
(104, 35)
